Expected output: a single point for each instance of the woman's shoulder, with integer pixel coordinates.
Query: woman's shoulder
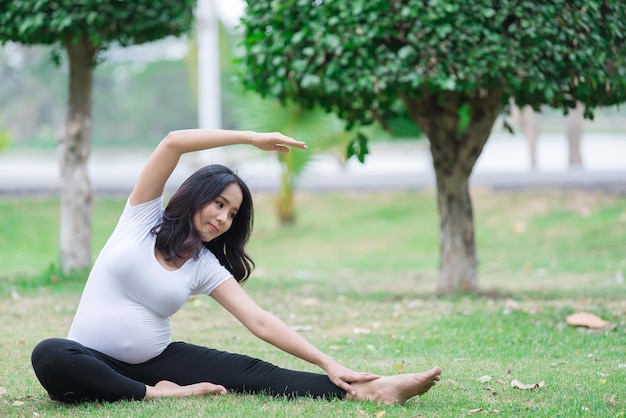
(206, 256)
(209, 272)
(148, 212)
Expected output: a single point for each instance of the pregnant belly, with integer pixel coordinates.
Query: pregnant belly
(132, 335)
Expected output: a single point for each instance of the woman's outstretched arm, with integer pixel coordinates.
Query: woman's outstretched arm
(271, 329)
(165, 157)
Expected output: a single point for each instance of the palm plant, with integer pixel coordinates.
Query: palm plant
(5, 139)
(320, 130)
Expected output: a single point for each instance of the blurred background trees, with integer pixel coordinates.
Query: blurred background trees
(130, 89)
(528, 121)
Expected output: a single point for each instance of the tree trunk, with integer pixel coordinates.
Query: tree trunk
(455, 150)
(529, 122)
(285, 201)
(73, 153)
(574, 127)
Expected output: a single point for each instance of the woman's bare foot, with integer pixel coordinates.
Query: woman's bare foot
(165, 388)
(396, 389)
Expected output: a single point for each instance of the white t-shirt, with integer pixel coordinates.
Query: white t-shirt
(128, 298)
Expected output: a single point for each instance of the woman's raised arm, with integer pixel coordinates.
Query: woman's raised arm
(164, 159)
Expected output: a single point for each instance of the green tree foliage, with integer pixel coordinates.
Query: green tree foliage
(101, 22)
(84, 29)
(452, 65)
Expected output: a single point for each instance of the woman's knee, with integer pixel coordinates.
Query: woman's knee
(52, 353)
(51, 360)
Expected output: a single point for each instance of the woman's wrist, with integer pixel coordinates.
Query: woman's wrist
(249, 136)
(326, 362)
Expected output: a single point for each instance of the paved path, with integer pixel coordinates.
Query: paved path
(504, 163)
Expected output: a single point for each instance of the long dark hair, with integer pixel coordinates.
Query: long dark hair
(178, 237)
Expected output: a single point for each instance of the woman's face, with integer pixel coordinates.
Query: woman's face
(217, 217)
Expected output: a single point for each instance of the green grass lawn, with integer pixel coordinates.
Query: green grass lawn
(358, 272)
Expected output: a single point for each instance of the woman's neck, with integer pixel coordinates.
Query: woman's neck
(172, 264)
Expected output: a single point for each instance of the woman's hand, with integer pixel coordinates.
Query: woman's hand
(342, 376)
(275, 141)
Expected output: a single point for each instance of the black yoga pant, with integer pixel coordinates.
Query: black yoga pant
(73, 373)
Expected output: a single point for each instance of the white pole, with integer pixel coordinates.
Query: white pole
(209, 90)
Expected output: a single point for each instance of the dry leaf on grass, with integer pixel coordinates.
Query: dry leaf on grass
(3, 391)
(302, 328)
(519, 385)
(310, 302)
(586, 319)
(477, 410)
